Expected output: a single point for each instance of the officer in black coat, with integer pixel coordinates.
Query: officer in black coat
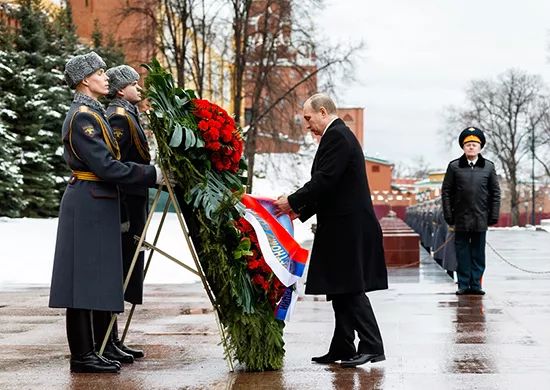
(87, 270)
(123, 117)
(347, 258)
(471, 202)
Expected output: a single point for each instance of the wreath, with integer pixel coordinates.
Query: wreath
(201, 146)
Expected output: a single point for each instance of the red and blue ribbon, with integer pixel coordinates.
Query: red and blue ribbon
(286, 258)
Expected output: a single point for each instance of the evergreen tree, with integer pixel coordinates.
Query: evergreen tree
(33, 104)
(11, 201)
(32, 111)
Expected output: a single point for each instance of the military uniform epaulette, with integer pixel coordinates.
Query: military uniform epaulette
(90, 131)
(140, 142)
(118, 111)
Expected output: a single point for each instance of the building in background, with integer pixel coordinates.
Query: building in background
(290, 80)
(353, 117)
(118, 21)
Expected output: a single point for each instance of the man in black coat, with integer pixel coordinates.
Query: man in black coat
(347, 258)
(123, 116)
(471, 202)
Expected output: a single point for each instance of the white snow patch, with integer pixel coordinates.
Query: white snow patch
(28, 247)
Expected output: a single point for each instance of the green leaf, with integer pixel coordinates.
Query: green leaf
(176, 139)
(181, 102)
(190, 138)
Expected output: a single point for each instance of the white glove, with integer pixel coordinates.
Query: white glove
(160, 176)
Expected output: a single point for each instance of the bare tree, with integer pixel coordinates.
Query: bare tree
(280, 69)
(183, 31)
(511, 110)
(267, 48)
(241, 35)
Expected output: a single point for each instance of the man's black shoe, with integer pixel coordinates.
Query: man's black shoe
(136, 353)
(463, 291)
(91, 362)
(327, 359)
(363, 358)
(477, 291)
(112, 352)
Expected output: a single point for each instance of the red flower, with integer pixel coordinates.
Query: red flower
(226, 135)
(211, 135)
(221, 137)
(258, 280)
(235, 157)
(253, 264)
(203, 125)
(213, 145)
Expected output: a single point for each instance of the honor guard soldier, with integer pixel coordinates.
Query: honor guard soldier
(123, 117)
(471, 202)
(87, 270)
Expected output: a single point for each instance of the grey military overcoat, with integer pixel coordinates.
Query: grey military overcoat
(127, 129)
(87, 271)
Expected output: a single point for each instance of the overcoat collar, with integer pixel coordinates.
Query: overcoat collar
(86, 100)
(464, 163)
(334, 123)
(132, 108)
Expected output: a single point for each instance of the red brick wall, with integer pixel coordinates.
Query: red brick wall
(353, 117)
(135, 32)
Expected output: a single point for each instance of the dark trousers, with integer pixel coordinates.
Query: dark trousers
(470, 256)
(353, 313)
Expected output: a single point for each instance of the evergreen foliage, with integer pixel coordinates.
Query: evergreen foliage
(10, 176)
(33, 105)
(211, 204)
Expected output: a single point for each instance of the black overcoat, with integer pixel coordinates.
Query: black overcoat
(126, 126)
(471, 196)
(347, 254)
(87, 270)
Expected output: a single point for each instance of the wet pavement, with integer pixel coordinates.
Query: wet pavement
(433, 339)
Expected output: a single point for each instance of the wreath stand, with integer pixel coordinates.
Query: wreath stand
(153, 248)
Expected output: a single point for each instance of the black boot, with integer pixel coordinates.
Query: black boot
(81, 344)
(136, 353)
(101, 321)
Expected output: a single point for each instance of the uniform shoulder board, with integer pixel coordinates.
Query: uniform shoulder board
(83, 109)
(120, 111)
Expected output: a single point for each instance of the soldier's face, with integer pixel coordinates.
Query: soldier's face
(97, 83)
(471, 149)
(131, 92)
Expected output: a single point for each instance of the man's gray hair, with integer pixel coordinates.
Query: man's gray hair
(322, 100)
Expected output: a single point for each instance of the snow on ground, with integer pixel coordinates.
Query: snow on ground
(28, 245)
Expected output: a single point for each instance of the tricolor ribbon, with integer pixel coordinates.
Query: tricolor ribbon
(286, 258)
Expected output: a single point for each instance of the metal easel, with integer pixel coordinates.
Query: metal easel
(153, 248)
